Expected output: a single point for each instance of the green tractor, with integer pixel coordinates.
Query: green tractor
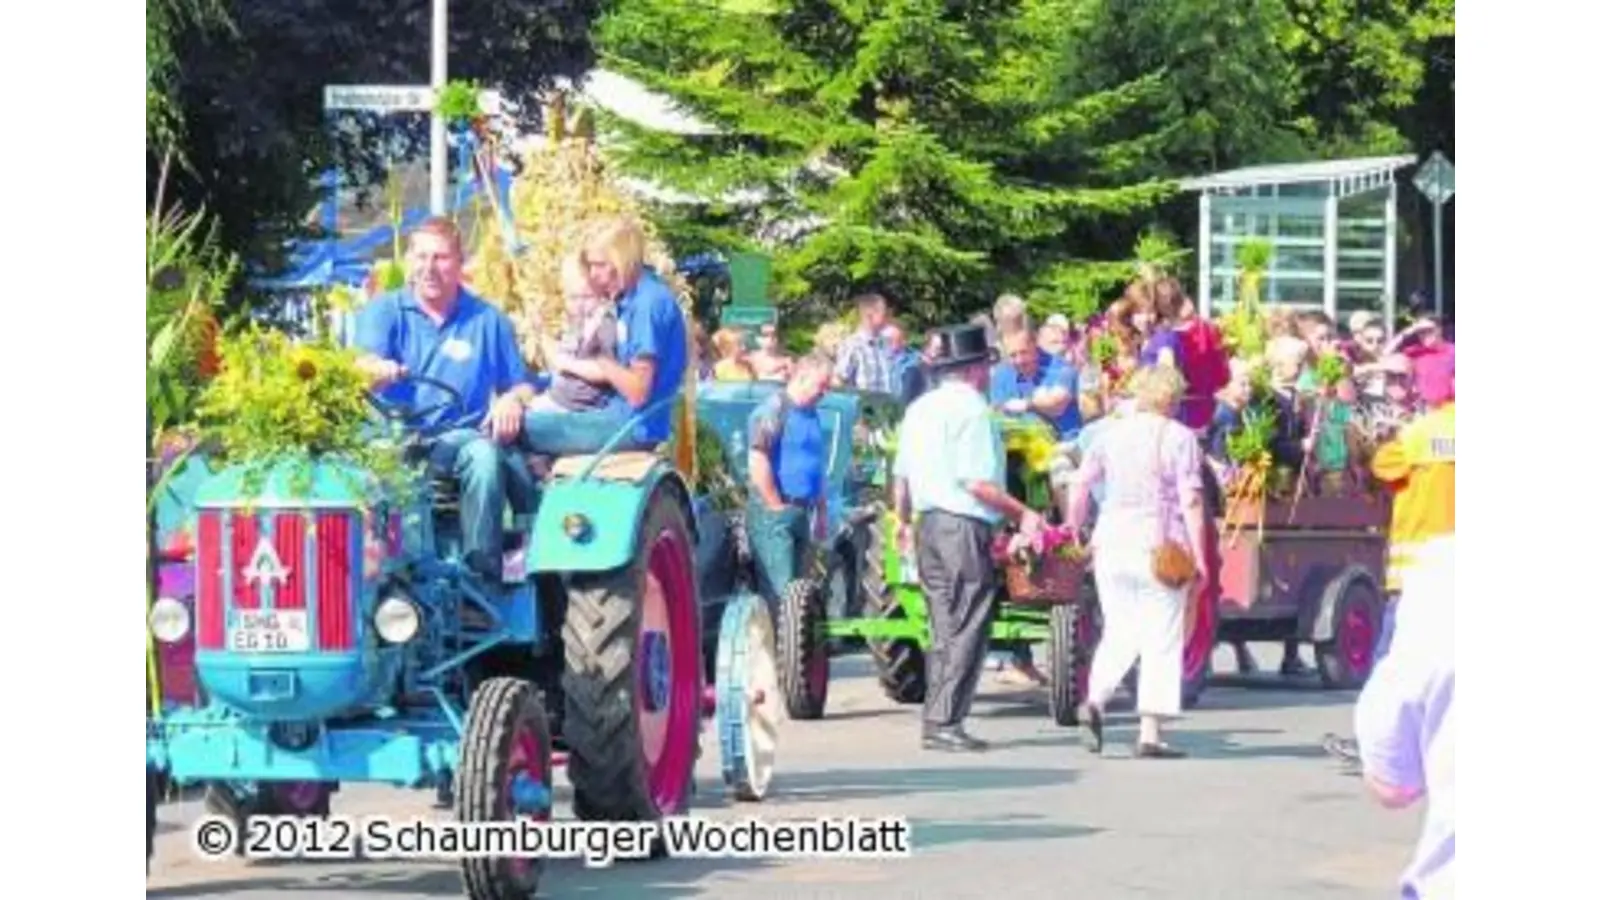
(894, 616)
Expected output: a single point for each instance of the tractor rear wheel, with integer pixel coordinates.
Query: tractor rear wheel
(504, 774)
(902, 668)
(632, 682)
(803, 649)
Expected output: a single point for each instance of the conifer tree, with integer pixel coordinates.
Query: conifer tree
(930, 149)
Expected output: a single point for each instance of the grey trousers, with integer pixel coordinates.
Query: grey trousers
(959, 581)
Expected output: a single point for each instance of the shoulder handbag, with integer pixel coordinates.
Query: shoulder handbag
(1170, 561)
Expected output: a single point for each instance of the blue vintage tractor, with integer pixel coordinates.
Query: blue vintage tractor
(338, 638)
(853, 424)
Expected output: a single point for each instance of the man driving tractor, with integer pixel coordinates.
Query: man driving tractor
(437, 348)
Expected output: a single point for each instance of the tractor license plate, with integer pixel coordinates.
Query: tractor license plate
(269, 631)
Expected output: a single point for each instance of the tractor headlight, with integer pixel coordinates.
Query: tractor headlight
(577, 527)
(396, 619)
(169, 620)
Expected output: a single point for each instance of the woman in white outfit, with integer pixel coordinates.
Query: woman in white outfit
(1148, 465)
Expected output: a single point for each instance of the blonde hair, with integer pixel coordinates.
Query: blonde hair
(618, 241)
(574, 280)
(1011, 315)
(1280, 321)
(1158, 388)
(726, 341)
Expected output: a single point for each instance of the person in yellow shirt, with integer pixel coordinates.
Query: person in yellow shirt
(1419, 465)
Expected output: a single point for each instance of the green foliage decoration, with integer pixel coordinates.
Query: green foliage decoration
(277, 402)
(458, 102)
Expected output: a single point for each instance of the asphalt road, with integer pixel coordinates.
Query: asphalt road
(1258, 811)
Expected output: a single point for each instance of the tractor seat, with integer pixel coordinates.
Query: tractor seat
(628, 465)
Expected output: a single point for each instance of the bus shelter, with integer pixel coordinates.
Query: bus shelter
(1333, 228)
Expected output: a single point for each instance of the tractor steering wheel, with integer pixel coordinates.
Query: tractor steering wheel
(411, 417)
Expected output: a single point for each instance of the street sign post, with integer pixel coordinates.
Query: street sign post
(407, 98)
(1436, 179)
(379, 98)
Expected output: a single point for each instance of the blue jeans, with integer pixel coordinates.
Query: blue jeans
(779, 540)
(571, 433)
(478, 466)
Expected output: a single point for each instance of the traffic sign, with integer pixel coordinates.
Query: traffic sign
(377, 97)
(394, 98)
(1436, 179)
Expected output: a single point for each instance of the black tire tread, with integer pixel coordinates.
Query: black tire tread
(1068, 657)
(901, 665)
(498, 706)
(802, 614)
(605, 763)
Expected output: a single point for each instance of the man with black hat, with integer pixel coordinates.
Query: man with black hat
(950, 473)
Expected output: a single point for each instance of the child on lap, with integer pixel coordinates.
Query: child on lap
(591, 334)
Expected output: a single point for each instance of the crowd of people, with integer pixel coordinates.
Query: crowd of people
(1146, 397)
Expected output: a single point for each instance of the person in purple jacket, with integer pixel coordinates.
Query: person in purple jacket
(1405, 724)
(1161, 344)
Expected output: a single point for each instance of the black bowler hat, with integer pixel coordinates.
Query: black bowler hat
(964, 345)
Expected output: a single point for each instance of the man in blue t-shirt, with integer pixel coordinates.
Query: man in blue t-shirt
(652, 353)
(1033, 383)
(788, 468)
(435, 329)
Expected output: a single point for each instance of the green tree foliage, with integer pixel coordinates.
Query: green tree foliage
(256, 137)
(938, 151)
(1374, 75)
(1228, 90)
(163, 21)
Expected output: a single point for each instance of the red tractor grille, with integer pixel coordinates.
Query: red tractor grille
(208, 581)
(246, 592)
(289, 541)
(330, 554)
(336, 555)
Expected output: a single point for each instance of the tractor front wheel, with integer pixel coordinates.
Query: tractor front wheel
(803, 649)
(632, 682)
(504, 775)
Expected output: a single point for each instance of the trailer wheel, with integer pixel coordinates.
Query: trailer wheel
(1346, 659)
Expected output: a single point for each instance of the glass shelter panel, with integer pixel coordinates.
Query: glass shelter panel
(1292, 225)
(1362, 273)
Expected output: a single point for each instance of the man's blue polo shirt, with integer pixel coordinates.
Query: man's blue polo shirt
(792, 438)
(474, 350)
(650, 324)
(1007, 383)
